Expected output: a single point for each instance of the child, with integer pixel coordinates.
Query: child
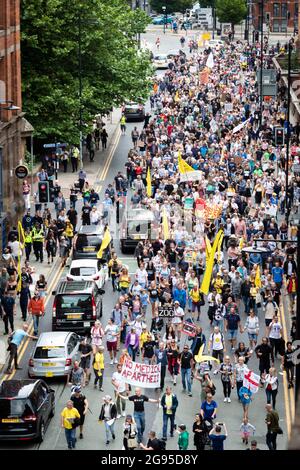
(246, 429)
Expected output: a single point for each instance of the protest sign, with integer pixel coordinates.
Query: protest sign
(166, 312)
(141, 375)
(189, 329)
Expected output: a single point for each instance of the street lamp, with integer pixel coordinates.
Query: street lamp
(256, 249)
(288, 133)
(164, 9)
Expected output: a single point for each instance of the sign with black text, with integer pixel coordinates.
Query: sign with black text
(166, 312)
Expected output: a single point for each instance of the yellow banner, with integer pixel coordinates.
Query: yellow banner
(105, 242)
(165, 225)
(149, 186)
(257, 277)
(210, 264)
(183, 167)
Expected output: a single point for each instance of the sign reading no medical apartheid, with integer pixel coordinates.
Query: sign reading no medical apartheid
(141, 375)
(189, 328)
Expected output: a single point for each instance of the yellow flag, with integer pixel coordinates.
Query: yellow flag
(183, 167)
(241, 244)
(149, 186)
(200, 358)
(21, 232)
(105, 242)
(176, 98)
(257, 277)
(165, 225)
(209, 265)
(219, 247)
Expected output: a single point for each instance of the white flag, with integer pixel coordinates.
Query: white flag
(251, 381)
(210, 61)
(240, 126)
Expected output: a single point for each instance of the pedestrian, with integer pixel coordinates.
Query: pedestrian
(252, 327)
(218, 435)
(81, 179)
(265, 355)
(8, 306)
(74, 155)
(247, 429)
(139, 410)
(112, 332)
(129, 434)
(28, 243)
(81, 404)
(169, 403)
(157, 42)
(16, 339)
(270, 381)
(216, 345)
(209, 408)
(76, 376)
(26, 194)
(36, 308)
(70, 418)
(108, 415)
(123, 124)
(272, 421)
(183, 438)
(38, 237)
(226, 371)
(63, 250)
(240, 370)
(275, 336)
(288, 363)
(162, 358)
(153, 443)
(97, 334)
(51, 246)
(120, 388)
(98, 366)
(25, 296)
(186, 363)
(200, 433)
(86, 352)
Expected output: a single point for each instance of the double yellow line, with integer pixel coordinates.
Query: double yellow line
(108, 161)
(289, 395)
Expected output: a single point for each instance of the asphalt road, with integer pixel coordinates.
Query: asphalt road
(94, 433)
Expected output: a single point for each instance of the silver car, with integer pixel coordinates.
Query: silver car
(54, 354)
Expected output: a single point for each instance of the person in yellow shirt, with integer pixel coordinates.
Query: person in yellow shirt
(68, 416)
(143, 337)
(197, 299)
(98, 367)
(124, 281)
(218, 283)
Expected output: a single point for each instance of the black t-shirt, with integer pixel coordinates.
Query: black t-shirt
(153, 293)
(138, 402)
(149, 349)
(154, 444)
(78, 403)
(185, 359)
(288, 359)
(86, 211)
(85, 348)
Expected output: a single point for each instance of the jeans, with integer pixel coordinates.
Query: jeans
(271, 395)
(271, 440)
(8, 318)
(71, 437)
(13, 355)
(139, 417)
(109, 429)
(132, 352)
(186, 379)
(36, 320)
(165, 424)
(246, 304)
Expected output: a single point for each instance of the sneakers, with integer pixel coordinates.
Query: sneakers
(228, 400)
(116, 361)
(113, 436)
(123, 414)
(216, 371)
(111, 362)
(225, 399)
(119, 416)
(190, 394)
(101, 389)
(81, 436)
(107, 442)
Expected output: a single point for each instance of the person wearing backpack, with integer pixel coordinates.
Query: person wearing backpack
(169, 403)
(216, 345)
(154, 443)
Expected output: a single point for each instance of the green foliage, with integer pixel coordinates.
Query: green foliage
(172, 5)
(207, 3)
(231, 11)
(113, 70)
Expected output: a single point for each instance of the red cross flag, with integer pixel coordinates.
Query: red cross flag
(251, 381)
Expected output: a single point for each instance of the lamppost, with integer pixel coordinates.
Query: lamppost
(288, 134)
(256, 249)
(164, 9)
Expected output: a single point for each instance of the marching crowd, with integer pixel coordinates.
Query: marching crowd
(199, 175)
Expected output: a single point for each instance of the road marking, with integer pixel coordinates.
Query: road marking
(30, 330)
(289, 398)
(110, 157)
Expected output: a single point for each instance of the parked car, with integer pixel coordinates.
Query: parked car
(172, 54)
(26, 407)
(76, 306)
(53, 354)
(134, 112)
(215, 43)
(160, 20)
(88, 270)
(161, 61)
(87, 242)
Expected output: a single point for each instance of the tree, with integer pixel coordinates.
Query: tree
(231, 11)
(113, 69)
(172, 5)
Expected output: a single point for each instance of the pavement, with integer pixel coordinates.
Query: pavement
(101, 172)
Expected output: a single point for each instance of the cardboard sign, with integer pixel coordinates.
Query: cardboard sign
(141, 375)
(166, 312)
(189, 329)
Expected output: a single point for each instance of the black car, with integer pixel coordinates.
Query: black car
(87, 243)
(26, 406)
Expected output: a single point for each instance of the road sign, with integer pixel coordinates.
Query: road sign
(166, 312)
(21, 171)
(53, 146)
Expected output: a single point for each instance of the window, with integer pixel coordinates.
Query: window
(284, 10)
(49, 352)
(275, 26)
(276, 10)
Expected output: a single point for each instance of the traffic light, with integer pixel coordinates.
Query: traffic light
(279, 136)
(43, 191)
(51, 191)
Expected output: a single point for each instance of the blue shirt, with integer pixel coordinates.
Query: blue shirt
(208, 408)
(277, 273)
(18, 337)
(217, 441)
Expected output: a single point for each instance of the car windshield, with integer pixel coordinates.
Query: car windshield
(78, 302)
(14, 408)
(83, 271)
(49, 352)
(160, 57)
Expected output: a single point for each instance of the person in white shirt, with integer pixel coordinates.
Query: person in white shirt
(275, 335)
(216, 345)
(177, 320)
(120, 386)
(142, 276)
(271, 385)
(16, 249)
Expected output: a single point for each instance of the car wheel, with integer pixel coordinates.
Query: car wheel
(41, 435)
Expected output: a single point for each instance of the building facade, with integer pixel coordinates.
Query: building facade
(280, 16)
(12, 122)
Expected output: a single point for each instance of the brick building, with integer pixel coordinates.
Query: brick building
(280, 15)
(12, 122)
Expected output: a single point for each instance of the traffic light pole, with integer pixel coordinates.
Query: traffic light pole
(287, 208)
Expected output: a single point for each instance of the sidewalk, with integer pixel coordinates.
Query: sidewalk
(93, 171)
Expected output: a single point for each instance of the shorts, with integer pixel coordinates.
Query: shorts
(252, 336)
(85, 362)
(232, 334)
(268, 321)
(153, 301)
(111, 345)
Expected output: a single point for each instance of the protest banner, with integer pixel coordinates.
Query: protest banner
(166, 312)
(189, 329)
(141, 375)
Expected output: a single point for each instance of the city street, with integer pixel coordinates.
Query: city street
(229, 413)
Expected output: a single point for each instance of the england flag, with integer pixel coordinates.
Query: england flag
(251, 381)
